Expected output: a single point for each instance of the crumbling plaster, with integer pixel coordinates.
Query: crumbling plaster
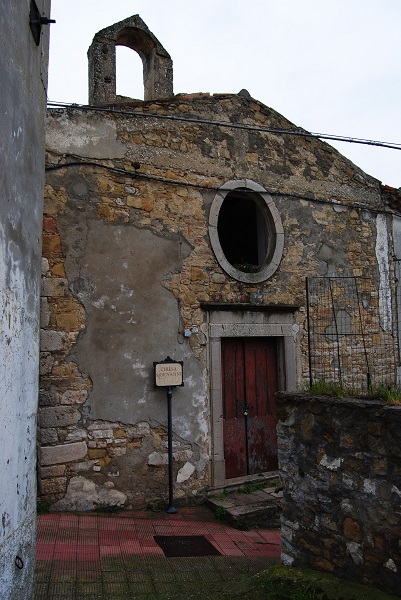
(130, 265)
(120, 337)
(96, 138)
(132, 271)
(23, 72)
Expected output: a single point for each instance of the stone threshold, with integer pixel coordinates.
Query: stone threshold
(260, 507)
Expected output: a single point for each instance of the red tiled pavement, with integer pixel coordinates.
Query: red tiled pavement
(105, 557)
(88, 537)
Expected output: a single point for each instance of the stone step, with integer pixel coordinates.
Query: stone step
(258, 509)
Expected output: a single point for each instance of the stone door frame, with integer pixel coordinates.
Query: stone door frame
(257, 321)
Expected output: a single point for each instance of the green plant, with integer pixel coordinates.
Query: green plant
(390, 394)
(245, 267)
(157, 505)
(281, 583)
(221, 513)
(42, 508)
(248, 488)
(329, 388)
(223, 495)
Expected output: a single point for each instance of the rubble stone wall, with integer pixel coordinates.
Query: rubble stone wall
(340, 460)
(128, 268)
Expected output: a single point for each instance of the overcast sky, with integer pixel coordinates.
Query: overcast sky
(329, 66)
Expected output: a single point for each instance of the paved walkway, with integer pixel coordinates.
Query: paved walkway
(96, 556)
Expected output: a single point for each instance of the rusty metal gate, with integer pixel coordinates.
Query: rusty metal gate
(249, 383)
(352, 332)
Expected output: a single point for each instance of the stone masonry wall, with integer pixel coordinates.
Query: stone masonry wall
(340, 461)
(128, 267)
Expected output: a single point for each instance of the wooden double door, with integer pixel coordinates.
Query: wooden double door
(249, 384)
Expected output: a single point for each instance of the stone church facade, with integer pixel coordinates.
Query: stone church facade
(182, 226)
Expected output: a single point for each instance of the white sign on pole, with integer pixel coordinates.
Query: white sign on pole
(168, 373)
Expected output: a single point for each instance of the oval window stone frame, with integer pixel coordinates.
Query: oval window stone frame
(273, 260)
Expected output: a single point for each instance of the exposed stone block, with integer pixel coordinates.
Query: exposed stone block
(58, 270)
(83, 494)
(74, 397)
(97, 444)
(53, 455)
(48, 436)
(119, 433)
(146, 204)
(119, 451)
(352, 529)
(44, 312)
(185, 472)
(54, 286)
(102, 425)
(218, 278)
(58, 416)
(111, 214)
(55, 485)
(44, 266)
(46, 363)
(68, 321)
(182, 455)
(198, 274)
(53, 471)
(51, 244)
(76, 435)
(157, 459)
(81, 467)
(96, 453)
(67, 370)
(102, 433)
(51, 341)
(48, 397)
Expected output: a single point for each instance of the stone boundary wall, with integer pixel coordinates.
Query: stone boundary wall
(340, 461)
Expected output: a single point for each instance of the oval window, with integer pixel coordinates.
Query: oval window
(246, 232)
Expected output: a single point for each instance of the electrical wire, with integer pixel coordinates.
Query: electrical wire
(138, 175)
(229, 124)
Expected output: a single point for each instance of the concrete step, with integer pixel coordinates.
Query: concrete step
(257, 509)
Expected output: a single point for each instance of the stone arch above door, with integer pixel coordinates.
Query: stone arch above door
(133, 33)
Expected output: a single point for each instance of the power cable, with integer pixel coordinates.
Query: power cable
(294, 132)
(138, 175)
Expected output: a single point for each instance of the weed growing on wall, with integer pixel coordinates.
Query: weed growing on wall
(389, 394)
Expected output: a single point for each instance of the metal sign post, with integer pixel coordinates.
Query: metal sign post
(170, 509)
(168, 374)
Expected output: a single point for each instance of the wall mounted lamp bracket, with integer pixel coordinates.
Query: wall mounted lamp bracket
(36, 21)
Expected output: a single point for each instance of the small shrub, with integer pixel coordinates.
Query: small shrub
(42, 508)
(245, 267)
(221, 513)
(389, 394)
(329, 388)
(287, 584)
(157, 505)
(248, 488)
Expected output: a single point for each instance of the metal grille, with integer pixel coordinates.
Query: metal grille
(352, 332)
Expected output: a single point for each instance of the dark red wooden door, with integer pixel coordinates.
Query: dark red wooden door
(249, 372)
